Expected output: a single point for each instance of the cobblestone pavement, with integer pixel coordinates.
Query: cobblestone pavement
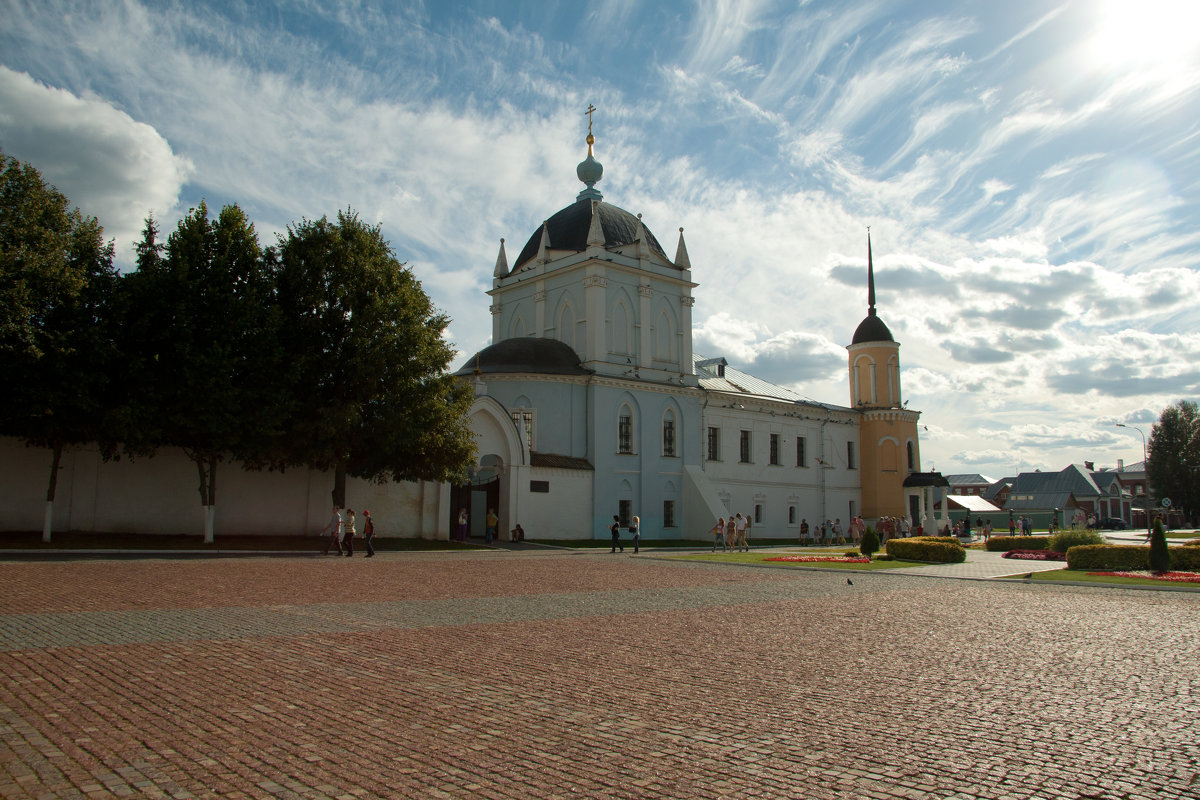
(514, 675)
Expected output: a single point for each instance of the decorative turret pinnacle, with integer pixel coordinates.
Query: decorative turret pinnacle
(590, 170)
(543, 246)
(595, 229)
(681, 257)
(501, 262)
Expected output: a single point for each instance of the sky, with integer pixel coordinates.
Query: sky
(1029, 170)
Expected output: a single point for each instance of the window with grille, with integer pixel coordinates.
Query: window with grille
(714, 444)
(523, 418)
(625, 434)
(745, 447)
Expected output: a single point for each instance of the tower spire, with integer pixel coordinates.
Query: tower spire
(590, 170)
(870, 277)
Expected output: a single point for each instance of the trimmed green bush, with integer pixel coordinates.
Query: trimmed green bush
(918, 550)
(946, 539)
(1002, 544)
(1192, 543)
(1160, 556)
(1064, 540)
(1108, 557)
(1185, 559)
(852, 554)
(870, 542)
(1129, 557)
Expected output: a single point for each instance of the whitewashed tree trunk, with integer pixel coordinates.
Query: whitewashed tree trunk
(210, 520)
(48, 521)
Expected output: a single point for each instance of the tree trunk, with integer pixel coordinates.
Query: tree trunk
(339, 485)
(210, 519)
(51, 490)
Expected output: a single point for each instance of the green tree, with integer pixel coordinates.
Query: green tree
(56, 349)
(373, 396)
(1160, 554)
(1173, 456)
(202, 323)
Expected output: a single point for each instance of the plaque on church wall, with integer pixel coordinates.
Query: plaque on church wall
(539, 486)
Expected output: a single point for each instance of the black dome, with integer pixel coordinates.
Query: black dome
(872, 329)
(525, 354)
(568, 230)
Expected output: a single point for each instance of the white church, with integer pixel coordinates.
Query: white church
(591, 403)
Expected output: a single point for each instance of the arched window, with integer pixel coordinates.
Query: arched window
(912, 457)
(625, 429)
(668, 434)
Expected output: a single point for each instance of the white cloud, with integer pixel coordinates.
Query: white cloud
(109, 165)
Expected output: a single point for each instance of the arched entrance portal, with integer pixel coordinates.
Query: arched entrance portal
(482, 493)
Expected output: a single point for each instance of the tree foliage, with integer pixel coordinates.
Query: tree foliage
(56, 348)
(1173, 456)
(202, 326)
(323, 352)
(369, 362)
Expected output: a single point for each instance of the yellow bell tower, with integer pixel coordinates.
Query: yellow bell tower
(890, 450)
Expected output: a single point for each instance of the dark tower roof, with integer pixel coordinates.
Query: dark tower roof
(525, 354)
(568, 230)
(871, 329)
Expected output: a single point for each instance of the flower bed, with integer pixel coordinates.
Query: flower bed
(1180, 577)
(811, 559)
(1036, 555)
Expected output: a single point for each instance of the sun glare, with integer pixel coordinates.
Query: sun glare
(1147, 33)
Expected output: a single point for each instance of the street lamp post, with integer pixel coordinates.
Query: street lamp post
(1146, 469)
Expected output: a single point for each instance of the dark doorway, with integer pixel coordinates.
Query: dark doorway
(476, 498)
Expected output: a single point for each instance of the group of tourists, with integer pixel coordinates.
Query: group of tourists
(340, 532)
(733, 534)
(832, 532)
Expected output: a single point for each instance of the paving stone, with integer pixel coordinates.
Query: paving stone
(532, 676)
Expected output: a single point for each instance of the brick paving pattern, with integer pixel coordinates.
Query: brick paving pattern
(507, 675)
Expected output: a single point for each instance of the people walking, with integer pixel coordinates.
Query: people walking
(348, 533)
(718, 533)
(635, 530)
(615, 530)
(730, 533)
(369, 533)
(739, 533)
(333, 532)
(804, 531)
(462, 524)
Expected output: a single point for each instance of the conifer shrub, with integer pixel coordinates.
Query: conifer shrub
(917, 550)
(1064, 540)
(870, 542)
(1160, 555)
(1002, 544)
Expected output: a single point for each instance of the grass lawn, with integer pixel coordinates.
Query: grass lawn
(132, 541)
(1080, 576)
(761, 558)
